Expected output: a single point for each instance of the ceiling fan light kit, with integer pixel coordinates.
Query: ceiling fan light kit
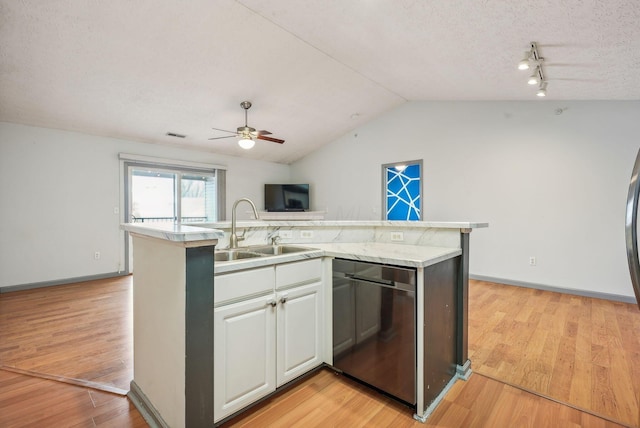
(246, 143)
(532, 57)
(246, 134)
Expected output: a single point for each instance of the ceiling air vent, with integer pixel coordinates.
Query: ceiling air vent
(173, 134)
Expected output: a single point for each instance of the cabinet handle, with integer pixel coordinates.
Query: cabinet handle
(272, 303)
(283, 299)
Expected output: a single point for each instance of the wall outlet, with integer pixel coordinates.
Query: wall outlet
(397, 236)
(306, 234)
(285, 234)
(96, 255)
(532, 261)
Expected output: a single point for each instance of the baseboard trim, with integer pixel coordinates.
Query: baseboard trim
(464, 372)
(29, 286)
(434, 404)
(144, 406)
(583, 293)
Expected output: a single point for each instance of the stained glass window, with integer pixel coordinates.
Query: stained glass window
(403, 189)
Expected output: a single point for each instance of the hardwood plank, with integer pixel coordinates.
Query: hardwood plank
(502, 416)
(581, 386)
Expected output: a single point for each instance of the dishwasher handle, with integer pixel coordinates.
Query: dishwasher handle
(380, 282)
(357, 277)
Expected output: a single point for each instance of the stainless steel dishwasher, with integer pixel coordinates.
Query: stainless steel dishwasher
(374, 326)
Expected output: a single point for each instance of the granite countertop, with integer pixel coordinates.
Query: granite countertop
(174, 232)
(376, 252)
(350, 223)
(393, 254)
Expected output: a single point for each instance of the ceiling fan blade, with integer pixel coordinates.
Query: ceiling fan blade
(262, 132)
(224, 130)
(275, 140)
(219, 138)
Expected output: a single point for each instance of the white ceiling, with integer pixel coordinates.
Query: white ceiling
(314, 69)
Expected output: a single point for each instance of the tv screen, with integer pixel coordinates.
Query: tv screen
(286, 197)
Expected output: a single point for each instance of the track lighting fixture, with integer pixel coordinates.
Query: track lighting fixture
(532, 58)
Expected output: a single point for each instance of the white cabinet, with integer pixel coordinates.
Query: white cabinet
(244, 354)
(299, 331)
(268, 330)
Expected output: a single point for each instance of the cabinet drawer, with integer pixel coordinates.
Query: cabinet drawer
(232, 286)
(298, 273)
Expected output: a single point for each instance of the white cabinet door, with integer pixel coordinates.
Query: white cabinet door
(245, 355)
(300, 331)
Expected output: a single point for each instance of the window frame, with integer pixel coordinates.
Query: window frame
(384, 169)
(129, 161)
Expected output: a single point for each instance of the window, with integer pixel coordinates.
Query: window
(402, 190)
(157, 190)
(158, 195)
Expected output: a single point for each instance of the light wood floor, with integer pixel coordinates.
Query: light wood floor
(82, 333)
(28, 401)
(579, 350)
(330, 400)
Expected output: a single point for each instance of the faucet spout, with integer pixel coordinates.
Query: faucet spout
(233, 239)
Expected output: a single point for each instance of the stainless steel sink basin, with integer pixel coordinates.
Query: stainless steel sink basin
(227, 256)
(276, 250)
(256, 251)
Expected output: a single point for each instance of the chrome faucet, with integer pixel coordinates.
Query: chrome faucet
(233, 239)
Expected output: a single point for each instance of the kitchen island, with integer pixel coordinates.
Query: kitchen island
(163, 387)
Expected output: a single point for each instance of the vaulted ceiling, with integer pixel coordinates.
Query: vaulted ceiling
(314, 70)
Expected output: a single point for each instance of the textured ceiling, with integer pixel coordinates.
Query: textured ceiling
(314, 70)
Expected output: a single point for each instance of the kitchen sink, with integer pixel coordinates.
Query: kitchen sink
(230, 255)
(276, 250)
(256, 251)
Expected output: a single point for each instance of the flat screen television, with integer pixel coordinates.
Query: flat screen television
(286, 197)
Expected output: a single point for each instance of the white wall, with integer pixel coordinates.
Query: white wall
(553, 186)
(59, 189)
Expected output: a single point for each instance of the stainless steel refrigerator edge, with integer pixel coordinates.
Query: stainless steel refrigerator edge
(631, 233)
(631, 229)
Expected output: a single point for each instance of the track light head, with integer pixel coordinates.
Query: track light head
(524, 63)
(542, 90)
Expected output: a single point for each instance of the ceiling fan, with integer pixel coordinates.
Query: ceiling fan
(246, 133)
